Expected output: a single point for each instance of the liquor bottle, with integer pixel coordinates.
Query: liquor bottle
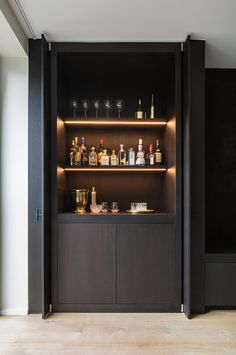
(104, 158)
(113, 158)
(93, 159)
(139, 113)
(77, 157)
(72, 153)
(93, 196)
(158, 153)
(151, 156)
(122, 155)
(140, 157)
(131, 156)
(100, 151)
(152, 112)
(83, 152)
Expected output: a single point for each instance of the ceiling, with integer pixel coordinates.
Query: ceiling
(139, 20)
(9, 43)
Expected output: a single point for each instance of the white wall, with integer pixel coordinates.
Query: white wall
(14, 185)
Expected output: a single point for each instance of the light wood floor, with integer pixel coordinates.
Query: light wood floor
(117, 333)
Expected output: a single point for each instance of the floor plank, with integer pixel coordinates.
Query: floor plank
(119, 333)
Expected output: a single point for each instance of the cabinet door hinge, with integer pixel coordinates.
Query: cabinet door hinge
(38, 215)
(50, 308)
(182, 308)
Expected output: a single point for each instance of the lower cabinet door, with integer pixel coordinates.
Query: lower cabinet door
(146, 264)
(86, 269)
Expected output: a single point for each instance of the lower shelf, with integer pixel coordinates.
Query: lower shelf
(117, 218)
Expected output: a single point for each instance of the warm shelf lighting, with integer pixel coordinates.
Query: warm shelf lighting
(116, 169)
(116, 123)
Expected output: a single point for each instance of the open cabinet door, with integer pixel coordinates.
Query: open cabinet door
(193, 175)
(45, 129)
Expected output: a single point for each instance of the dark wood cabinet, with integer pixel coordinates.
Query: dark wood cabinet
(86, 263)
(146, 264)
(122, 262)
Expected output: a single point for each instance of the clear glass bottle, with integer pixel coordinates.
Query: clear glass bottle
(122, 155)
(114, 158)
(131, 156)
(158, 153)
(151, 156)
(140, 157)
(93, 159)
(139, 113)
(77, 157)
(83, 152)
(100, 151)
(105, 158)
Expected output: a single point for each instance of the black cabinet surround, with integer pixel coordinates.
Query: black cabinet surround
(117, 262)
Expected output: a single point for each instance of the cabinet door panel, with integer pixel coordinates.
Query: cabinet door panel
(86, 263)
(146, 264)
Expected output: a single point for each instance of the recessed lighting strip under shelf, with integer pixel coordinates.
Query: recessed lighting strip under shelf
(116, 123)
(116, 169)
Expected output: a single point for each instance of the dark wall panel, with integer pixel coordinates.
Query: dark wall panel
(220, 160)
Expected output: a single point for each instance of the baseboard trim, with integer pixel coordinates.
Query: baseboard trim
(14, 312)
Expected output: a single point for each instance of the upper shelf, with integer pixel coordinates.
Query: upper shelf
(114, 122)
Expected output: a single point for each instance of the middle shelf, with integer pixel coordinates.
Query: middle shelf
(120, 168)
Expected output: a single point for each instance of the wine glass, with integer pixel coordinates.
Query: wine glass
(74, 104)
(119, 105)
(85, 106)
(97, 106)
(115, 207)
(107, 106)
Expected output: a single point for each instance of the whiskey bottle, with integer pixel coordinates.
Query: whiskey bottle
(77, 156)
(100, 151)
(158, 153)
(152, 112)
(72, 153)
(93, 160)
(139, 113)
(151, 156)
(131, 156)
(83, 152)
(105, 158)
(140, 157)
(122, 155)
(113, 158)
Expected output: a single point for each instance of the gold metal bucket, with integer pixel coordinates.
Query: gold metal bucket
(80, 200)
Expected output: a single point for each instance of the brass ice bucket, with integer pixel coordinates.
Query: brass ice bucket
(79, 199)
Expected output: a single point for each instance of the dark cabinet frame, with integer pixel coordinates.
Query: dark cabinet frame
(42, 235)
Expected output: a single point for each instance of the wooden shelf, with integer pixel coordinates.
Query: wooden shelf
(120, 168)
(114, 122)
(120, 217)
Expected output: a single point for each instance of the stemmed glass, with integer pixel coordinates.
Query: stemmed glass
(97, 106)
(74, 104)
(107, 106)
(119, 105)
(85, 105)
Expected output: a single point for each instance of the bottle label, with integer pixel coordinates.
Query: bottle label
(151, 160)
(158, 157)
(139, 114)
(131, 158)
